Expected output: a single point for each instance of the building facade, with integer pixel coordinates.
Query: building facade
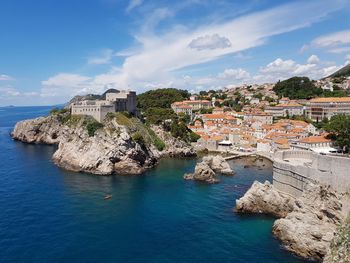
(319, 108)
(121, 101)
(286, 109)
(262, 117)
(188, 106)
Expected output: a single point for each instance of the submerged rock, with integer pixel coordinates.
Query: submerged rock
(208, 169)
(306, 226)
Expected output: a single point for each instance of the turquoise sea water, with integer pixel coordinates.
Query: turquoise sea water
(51, 215)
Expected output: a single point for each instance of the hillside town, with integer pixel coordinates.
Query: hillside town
(261, 121)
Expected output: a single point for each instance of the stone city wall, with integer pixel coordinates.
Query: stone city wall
(293, 170)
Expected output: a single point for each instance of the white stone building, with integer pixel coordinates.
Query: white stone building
(285, 109)
(121, 101)
(319, 108)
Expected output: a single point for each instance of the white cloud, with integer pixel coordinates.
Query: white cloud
(313, 59)
(105, 57)
(8, 91)
(339, 50)
(210, 42)
(336, 42)
(133, 4)
(5, 77)
(333, 39)
(65, 85)
(279, 66)
(162, 54)
(156, 57)
(235, 74)
(283, 69)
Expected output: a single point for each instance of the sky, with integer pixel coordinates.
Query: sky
(51, 50)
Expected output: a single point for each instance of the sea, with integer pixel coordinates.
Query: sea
(51, 215)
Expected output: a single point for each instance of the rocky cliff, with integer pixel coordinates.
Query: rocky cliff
(307, 224)
(339, 251)
(122, 144)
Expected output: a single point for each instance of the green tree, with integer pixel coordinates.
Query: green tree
(159, 115)
(185, 118)
(297, 88)
(339, 130)
(160, 98)
(92, 126)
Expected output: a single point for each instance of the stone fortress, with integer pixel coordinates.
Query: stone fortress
(123, 100)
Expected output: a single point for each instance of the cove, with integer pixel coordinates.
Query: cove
(51, 215)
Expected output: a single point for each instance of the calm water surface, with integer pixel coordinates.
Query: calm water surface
(50, 215)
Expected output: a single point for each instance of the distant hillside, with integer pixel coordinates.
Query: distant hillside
(297, 88)
(343, 72)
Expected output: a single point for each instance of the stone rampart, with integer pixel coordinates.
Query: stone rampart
(293, 170)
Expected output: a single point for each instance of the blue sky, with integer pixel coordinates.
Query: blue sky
(51, 50)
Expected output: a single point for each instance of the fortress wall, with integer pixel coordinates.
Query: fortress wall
(292, 177)
(332, 170)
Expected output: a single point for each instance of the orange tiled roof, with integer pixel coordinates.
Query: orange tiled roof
(214, 116)
(331, 99)
(281, 141)
(314, 139)
(289, 105)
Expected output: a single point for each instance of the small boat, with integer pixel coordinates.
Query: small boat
(107, 197)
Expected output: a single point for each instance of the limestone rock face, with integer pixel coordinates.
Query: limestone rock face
(208, 169)
(46, 130)
(309, 228)
(218, 164)
(110, 150)
(174, 147)
(339, 251)
(202, 172)
(263, 198)
(307, 225)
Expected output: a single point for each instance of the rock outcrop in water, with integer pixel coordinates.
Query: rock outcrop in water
(209, 168)
(307, 224)
(121, 145)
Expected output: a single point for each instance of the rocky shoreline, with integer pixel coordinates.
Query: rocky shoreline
(307, 225)
(111, 149)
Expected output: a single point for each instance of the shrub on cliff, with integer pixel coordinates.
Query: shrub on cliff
(179, 129)
(137, 137)
(56, 111)
(92, 126)
(142, 133)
